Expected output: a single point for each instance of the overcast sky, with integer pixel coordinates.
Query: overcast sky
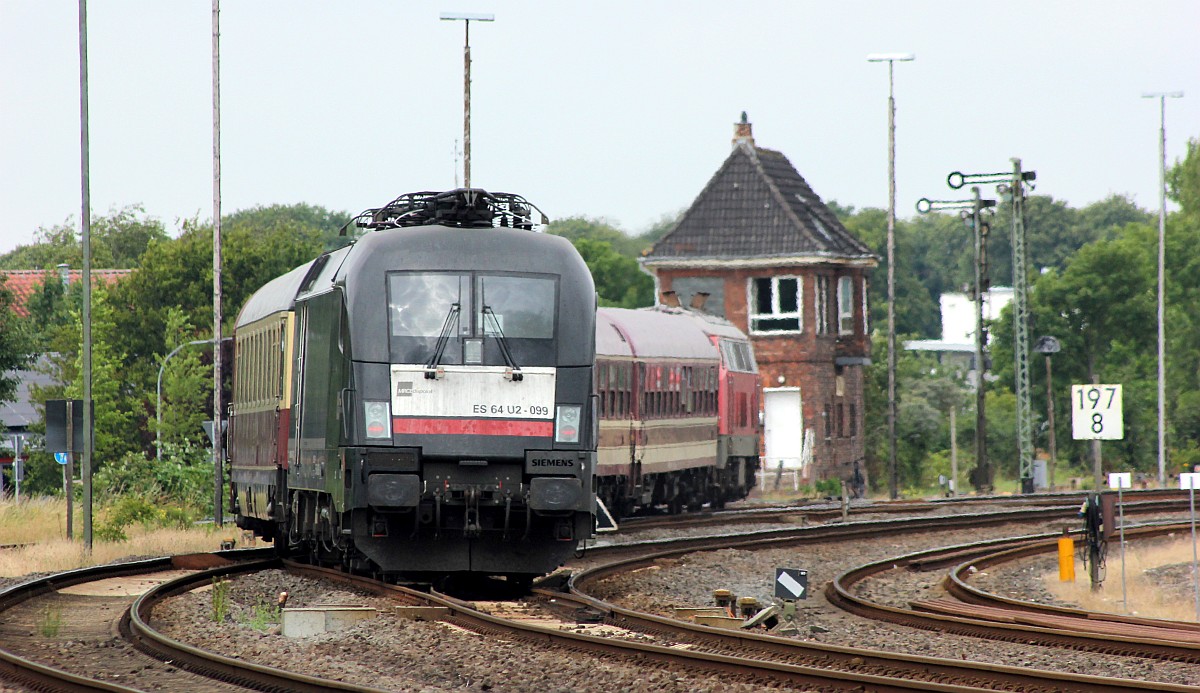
(621, 110)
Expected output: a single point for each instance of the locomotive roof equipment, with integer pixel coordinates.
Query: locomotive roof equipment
(460, 208)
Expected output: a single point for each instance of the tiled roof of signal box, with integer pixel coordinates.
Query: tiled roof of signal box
(757, 205)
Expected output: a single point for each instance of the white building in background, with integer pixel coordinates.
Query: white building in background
(957, 345)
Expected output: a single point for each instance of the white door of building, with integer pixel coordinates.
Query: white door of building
(783, 424)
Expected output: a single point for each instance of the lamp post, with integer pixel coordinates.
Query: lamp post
(218, 455)
(891, 59)
(467, 18)
(86, 244)
(1162, 97)
(158, 392)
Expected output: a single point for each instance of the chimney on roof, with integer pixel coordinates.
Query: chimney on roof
(742, 133)
(64, 274)
(670, 298)
(698, 300)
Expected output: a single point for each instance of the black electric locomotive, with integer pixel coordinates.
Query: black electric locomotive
(420, 401)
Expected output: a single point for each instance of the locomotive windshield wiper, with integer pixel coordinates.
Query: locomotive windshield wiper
(503, 342)
(431, 366)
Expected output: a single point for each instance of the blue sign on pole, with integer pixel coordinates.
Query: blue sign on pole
(60, 457)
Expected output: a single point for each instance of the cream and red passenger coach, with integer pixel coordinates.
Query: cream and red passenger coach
(678, 400)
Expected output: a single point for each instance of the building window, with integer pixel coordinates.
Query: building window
(822, 305)
(775, 305)
(865, 306)
(845, 305)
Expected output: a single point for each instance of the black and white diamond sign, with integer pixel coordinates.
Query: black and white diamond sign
(791, 583)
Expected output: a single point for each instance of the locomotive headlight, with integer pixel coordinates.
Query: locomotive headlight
(377, 418)
(566, 423)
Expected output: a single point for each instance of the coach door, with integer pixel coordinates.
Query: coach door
(321, 374)
(784, 428)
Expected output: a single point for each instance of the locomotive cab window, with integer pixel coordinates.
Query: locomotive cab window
(464, 316)
(521, 307)
(421, 302)
(738, 356)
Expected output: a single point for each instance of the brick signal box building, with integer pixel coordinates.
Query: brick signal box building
(759, 248)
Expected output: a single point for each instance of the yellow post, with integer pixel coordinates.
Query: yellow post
(1066, 558)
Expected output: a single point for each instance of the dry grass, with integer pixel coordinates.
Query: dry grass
(41, 525)
(32, 519)
(1147, 597)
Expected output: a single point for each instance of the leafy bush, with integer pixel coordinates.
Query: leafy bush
(128, 510)
(829, 487)
(183, 477)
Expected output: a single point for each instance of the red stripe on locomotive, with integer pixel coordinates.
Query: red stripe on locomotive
(473, 427)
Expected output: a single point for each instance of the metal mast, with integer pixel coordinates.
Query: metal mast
(218, 471)
(1021, 327)
(973, 209)
(467, 18)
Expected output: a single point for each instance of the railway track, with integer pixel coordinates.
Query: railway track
(80, 631)
(833, 510)
(754, 645)
(755, 658)
(982, 615)
(1160, 638)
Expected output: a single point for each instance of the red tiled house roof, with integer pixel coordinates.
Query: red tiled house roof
(23, 283)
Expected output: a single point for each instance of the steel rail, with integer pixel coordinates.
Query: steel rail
(910, 665)
(137, 625)
(44, 677)
(764, 672)
(958, 586)
(840, 593)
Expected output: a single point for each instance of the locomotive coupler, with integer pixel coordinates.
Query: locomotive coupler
(437, 514)
(507, 513)
(471, 526)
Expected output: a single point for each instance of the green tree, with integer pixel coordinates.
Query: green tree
(186, 384)
(658, 229)
(1183, 180)
(1101, 308)
(117, 241)
(177, 274)
(597, 230)
(619, 280)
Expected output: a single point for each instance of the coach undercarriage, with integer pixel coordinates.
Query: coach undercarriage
(680, 490)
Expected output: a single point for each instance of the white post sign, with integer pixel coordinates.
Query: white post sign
(1190, 481)
(1096, 412)
(1120, 480)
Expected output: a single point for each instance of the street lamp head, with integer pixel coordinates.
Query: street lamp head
(890, 57)
(1162, 95)
(468, 16)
